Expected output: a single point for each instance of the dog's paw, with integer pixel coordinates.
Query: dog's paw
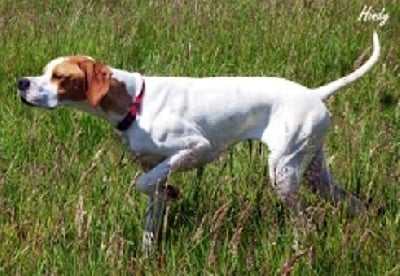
(147, 243)
(172, 192)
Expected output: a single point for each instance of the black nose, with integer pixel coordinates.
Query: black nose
(23, 84)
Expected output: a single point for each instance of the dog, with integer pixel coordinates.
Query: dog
(173, 124)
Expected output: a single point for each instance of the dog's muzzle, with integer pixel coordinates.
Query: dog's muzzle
(23, 85)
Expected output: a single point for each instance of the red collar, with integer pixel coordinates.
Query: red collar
(133, 111)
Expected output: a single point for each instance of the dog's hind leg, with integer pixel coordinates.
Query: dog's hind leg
(286, 170)
(293, 141)
(291, 148)
(285, 174)
(321, 181)
(287, 161)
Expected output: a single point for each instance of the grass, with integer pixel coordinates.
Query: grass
(66, 206)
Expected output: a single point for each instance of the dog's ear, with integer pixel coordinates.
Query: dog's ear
(97, 80)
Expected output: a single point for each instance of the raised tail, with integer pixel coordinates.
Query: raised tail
(327, 90)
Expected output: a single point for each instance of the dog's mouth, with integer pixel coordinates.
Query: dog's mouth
(34, 105)
(26, 102)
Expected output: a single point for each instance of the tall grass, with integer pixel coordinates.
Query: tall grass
(66, 206)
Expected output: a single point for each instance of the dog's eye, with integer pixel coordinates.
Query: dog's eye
(57, 76)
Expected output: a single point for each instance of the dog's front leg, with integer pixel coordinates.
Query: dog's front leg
(154, 218)
(153, 184)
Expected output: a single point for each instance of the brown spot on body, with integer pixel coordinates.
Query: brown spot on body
(117, 98)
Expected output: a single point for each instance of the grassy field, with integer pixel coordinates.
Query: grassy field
(66, 206)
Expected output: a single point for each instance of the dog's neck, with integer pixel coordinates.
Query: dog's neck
(116, 103)
(131, 81)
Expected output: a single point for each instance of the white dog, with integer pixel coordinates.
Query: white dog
(179, 123)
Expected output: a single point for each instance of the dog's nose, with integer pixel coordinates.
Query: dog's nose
(23, 84)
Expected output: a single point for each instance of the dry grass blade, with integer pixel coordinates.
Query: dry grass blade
(74, 154)
(363, 239)
(115, 248)
(79, 216)
(219, 217)
(346, 238)
(216, 223)
(235, 241)
(362, 58)
(196, 238)
(95, 161)
(289, 265)
(394, 271)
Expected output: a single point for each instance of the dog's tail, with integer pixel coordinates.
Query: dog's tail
(327, 90)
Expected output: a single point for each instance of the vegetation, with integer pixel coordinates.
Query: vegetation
(66, 206)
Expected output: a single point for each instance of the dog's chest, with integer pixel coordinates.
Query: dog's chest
(145, 159)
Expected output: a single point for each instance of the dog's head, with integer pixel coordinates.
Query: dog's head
(64, 80)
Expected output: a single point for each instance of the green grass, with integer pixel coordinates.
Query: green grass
(66, 206)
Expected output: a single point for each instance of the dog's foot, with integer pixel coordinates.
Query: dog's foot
(172, 192)
(377, 208)
(356, 207)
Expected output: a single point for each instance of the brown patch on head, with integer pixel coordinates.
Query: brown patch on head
(81, 78)
(70, 79)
